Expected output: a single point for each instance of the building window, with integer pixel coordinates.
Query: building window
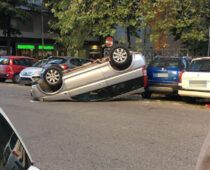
(27, 26)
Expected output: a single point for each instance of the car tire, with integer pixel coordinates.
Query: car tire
(189, 99)
(146, 95)
(120, 57)
(53, 76)
(16, 79)
(2, 79)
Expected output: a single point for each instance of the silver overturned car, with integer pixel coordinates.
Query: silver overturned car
(121, 73)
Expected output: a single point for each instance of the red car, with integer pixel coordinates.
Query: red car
(11, 66)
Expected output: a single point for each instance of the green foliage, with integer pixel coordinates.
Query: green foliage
(187, 20)
(9, 10)
(81, 20)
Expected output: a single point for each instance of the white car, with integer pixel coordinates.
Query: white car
(121, 73)
(32, 74)
(195, 82)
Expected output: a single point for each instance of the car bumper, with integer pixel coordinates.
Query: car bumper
(163, 88)
(192, 93)
(3, 76)
(29, 80)
(25, 81)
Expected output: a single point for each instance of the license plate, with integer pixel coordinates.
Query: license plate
(161, 75)
(202, 84)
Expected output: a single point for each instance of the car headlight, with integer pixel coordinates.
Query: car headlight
(26, 74)
(37, 73)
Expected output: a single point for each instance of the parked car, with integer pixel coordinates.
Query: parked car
(32, 74)
(164, 74)
(11, 66)
(195, 82)
(13, 152)
(121, 73)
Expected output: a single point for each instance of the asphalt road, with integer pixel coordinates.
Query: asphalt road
(117, 135)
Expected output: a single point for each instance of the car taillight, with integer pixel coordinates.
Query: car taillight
(180, 76)
(64, 66)
(109, 42)
(145, 76)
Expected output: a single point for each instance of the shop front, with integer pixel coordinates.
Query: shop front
(35, 50)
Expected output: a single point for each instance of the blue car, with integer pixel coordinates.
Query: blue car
(164, 74)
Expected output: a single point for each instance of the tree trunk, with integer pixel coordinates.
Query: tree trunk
(8, 35)
(129, 37)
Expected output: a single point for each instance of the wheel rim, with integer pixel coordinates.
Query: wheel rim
(120, 55)
(17, 78)
(52, 76)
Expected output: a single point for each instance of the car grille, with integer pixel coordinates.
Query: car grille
(25, 79)
(198, 84)
(26, 74)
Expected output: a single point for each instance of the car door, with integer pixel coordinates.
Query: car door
(18, 65)
(4, 64)
(85, 80)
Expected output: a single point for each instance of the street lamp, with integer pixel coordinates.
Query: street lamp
(209, 43)
(42, 31)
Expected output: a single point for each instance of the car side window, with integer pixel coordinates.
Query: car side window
(27, 62)
(76, 62)
(17, 62)
(23, 62)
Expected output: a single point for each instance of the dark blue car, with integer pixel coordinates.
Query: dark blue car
(164, 74)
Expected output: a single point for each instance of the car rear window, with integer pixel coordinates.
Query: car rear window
(4, 61)
(165, 62)
(200, 66)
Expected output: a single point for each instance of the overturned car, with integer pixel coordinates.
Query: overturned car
(121, 73)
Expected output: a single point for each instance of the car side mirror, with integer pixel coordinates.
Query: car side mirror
(13, 152)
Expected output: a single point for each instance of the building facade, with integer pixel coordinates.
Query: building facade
(35, 39)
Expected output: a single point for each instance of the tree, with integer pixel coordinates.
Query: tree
(81, 20)
(187, 20)
(11, 10)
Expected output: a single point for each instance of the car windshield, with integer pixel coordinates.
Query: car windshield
(4, 61)
(57, 61)
(200, 66)
(165, 62)
(40, 63)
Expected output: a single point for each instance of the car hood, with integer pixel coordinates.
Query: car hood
(31, 70)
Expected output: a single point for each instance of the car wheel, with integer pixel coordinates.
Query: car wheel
(2, 79)
(189, 99)
(53, 76)
(16, 78)
(120, 57)
(146, 95)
